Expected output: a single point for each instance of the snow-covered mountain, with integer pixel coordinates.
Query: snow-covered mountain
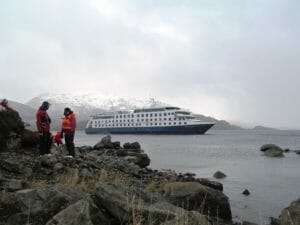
(94, 100)
(87, 104)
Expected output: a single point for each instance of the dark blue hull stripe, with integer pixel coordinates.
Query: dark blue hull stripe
(187, 129)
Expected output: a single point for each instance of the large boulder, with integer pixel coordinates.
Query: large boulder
(105, 143)
(42, 204)
(291, 214)
(11, 126)
(140, 159)
(219, 175)
(82, 212)
(133, 205)
(272, 150)
(194, 196)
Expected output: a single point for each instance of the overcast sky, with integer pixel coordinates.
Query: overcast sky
(232, 59)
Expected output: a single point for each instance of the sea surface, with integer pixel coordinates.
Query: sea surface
(273, 182)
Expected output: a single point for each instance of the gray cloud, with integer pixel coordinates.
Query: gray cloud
(236, 60)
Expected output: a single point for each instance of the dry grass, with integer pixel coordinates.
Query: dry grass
(37, 184)
(74, 180)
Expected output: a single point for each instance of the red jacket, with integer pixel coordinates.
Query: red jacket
(69, 123)
(42, 121)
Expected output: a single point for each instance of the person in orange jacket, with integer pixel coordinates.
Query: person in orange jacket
(56, 138)
(68, 130)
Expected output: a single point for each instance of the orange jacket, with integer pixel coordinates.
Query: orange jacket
(69, 123)
(56, 137)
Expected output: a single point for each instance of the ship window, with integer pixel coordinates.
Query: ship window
(184, 122)
(128, 120)
(155, 119)
(132, 115)
(150, 114)
(169, 118)
(132, 120)
(142, 119)
(165, 123)
(155, 124)
(160, 114)
(146, 115)
(175, 123)
(150, 124)
(165, 114)
(170, 123)
(165, 118)
(159, 123)
(120, 116)
(155, 114)
(146, 124)
(160, 119)
(142, 115)
(168, 113)
(117, 116)
(138, 115)
(179, 123)
(172, 113)
(138, 120)
(150, 119)
(146, 120)
(174, 118)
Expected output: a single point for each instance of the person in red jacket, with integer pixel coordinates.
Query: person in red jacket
(43, 125)
(68, 128)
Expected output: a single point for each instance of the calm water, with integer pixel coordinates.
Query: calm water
(272, 182)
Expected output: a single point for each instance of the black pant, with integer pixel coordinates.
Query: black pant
(45, 143)
(69, 139)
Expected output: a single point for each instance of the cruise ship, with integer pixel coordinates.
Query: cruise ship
(163, 120)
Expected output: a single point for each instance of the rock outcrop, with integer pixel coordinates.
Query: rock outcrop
(272, 150)
(291, 214)
(104, 184)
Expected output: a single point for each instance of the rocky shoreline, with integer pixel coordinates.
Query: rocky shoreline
(106, 184)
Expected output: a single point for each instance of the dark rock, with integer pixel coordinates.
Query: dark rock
(12, 184)
(194, 196)
(246, 192)
(82, 212)
(269, 146)
(85, 149)
(219, 175)
(291, 214)
(297, 152)
(48, 161)
(127, 145)
(274, 221)
(104, 143)
(11, 128)
(136, 146)
(122, 152)
(140, 159)
(286, 150)
(29, 139)
(212, 184)
(58, 166)
(11, 166)
(116, 144)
